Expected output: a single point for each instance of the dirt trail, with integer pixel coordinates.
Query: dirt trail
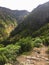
(37, 57)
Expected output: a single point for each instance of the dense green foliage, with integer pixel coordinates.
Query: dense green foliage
(25, 44)
(9, 53)
(7, 23)
(46, 41)
(9, 19)
(37, 42)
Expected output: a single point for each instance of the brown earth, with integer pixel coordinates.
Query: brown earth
(36, 57)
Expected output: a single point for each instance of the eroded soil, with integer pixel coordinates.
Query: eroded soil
(37, 57)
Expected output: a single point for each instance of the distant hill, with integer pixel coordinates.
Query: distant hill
(36, 20)
(7, 22)
(20, 15)
(9, 19)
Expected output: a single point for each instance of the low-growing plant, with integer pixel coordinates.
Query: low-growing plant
(9, 53)
(1, 45)
(25, 44)
(46, 41)
(37, 42)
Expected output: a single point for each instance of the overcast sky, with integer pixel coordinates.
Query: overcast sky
(21, 4)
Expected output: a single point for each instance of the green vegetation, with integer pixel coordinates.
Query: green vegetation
(47, 41)
(37, 42)
(20, 44)
(25, 44)
(16, 39)
(9, 53)
(7, 23)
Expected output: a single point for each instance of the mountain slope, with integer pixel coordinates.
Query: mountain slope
(17, 34)
(37, 19)
(20, 15)
(9, 19)
(7, 22)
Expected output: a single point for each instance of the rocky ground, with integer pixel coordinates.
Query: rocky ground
(37, 57)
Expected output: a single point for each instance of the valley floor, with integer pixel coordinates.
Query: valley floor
(36, 57)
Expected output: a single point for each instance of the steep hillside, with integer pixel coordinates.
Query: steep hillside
(38, 19)
(20, 15)
(17, 34)
(9, 19)
(7, 22)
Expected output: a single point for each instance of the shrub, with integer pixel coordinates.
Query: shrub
(25, 44)
(1, 45)
(46, 41)
(12, 53)
(37, 42)
(9, 53)
(3, 58)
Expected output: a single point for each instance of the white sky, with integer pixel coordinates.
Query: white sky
(21, 4)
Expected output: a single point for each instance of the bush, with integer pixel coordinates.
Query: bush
(46, 41)
(1, 45)
(37, 42)
(9, 53)
(25, 44)
(3, 58)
